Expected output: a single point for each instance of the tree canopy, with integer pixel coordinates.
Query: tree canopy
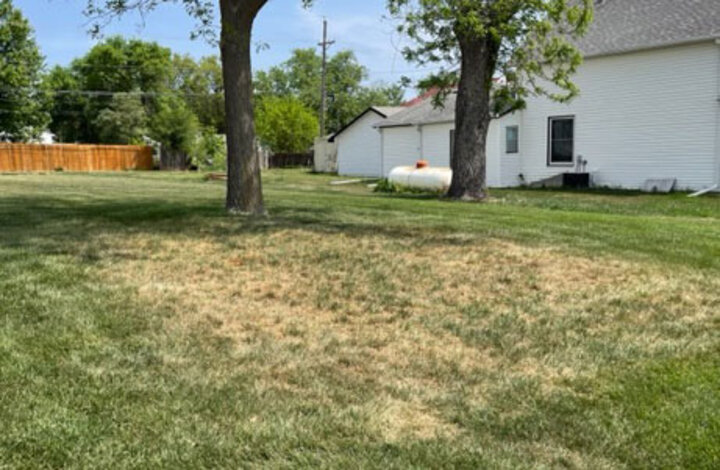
(125, 89)
(22, 101)
(498, 53)
(301, 75)
(285, 125)
(124, 121)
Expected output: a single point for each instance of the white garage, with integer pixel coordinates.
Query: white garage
(359, 146)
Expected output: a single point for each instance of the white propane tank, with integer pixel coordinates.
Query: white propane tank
(427, 178)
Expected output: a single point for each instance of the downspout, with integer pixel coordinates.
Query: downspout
(421, 147)
(717, 121)
(382, 151)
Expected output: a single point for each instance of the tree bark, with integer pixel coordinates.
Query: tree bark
(244, 185)
(472, 118)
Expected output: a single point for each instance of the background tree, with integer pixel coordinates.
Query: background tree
(124, 121)
(526, 44)
(175, 126)
(201, 84)
(285, 125)
(244, 187)
(300, 76)
(22, 101)
(86, 89)
(68, 107)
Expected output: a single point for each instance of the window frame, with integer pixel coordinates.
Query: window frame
(517, 140)
(550, 121)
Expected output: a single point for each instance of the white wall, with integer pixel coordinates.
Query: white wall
(324, 156)
(643, 115)
(359, 148)
(502, 169)
(436, 143)
(508, 164)
(401, 147)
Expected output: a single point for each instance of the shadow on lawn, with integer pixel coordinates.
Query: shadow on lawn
(58, 226)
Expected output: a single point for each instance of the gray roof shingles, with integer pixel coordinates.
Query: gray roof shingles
(627, 25)
(423, 113)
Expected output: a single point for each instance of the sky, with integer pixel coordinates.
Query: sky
(284, 25)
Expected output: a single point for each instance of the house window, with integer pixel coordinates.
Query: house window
(452, 144)
(512, 134)
(561, 140)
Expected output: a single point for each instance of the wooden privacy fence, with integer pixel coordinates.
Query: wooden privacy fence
(72, 157)
(289, 160)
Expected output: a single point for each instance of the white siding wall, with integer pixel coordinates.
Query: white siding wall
(644, 115)
(436, 144)
(502, 169)
(509, 164)
(359, 148)
(401, 147)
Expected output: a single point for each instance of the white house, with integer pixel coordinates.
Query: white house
(358, 143)
(649, 107)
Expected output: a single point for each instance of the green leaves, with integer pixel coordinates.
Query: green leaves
(535, 54)
(22, 100)
(300, 77)
(124, 121)
(285, 125)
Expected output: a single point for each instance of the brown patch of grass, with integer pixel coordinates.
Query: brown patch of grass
(397, 420)
(412, 320)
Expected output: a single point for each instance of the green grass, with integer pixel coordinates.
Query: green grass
(142, 327)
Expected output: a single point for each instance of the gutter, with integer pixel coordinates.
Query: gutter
(651, 47)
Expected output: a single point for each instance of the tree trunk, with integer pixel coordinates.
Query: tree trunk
(472, 119)
(244, 185)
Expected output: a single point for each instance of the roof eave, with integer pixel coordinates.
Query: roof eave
(359, 116)
(652, 47)
(388, 126)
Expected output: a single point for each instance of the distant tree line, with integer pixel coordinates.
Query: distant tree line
(125, 91)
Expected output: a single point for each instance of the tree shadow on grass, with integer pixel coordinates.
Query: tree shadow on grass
(58, 226)
(61, 225)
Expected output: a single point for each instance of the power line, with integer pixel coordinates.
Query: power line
(99, 93)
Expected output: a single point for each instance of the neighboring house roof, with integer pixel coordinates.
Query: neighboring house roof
(419, 99)
(629, 25)
(426, 112)
(382, 111)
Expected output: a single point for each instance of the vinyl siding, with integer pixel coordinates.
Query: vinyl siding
(401, 147)
(643, 115)
(436, 144)
(436, 150)
(505, 167)
(359, 148)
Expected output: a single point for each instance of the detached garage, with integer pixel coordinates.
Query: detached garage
(359, 143)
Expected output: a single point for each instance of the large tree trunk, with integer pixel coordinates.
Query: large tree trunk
(244, 186)
(472, 119)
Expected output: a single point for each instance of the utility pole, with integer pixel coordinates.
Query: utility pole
(323, 92)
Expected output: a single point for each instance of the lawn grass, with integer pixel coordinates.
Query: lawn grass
(141, 327)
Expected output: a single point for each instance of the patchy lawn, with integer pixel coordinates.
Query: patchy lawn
(141, 327)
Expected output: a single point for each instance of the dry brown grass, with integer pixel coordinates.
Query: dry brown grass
(404, 316)
(142, 327)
